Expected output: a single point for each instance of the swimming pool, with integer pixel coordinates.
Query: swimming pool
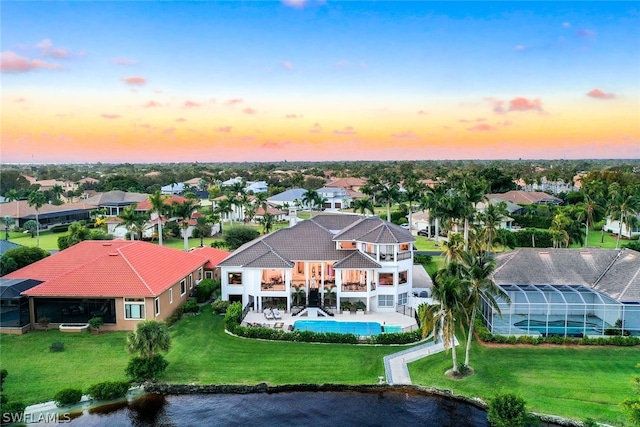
(558, 327)
(357, 328)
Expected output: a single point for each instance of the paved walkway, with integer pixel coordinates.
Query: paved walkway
(395, 365)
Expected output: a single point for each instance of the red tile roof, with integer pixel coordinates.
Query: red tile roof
(116, 268)
(145, 205)
(215, 256)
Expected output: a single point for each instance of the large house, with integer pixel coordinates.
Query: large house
(613, 226)
(526, 197)
(121, 281)
(48, 215)
(566, 291)
(351, 257)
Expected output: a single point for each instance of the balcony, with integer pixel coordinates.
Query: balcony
(354, 287)
(272, 286)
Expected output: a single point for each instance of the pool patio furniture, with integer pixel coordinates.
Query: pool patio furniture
(276, 314)
(268, 314)
(278, 325)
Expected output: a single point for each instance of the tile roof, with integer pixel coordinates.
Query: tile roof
(622, 279)
(372, 229)
(213, 255)
(116, 197)
(145, 205)
(21, 208)
(289, 195)
(357, 260)
(525, 197)
(336, 222)
(98, 268)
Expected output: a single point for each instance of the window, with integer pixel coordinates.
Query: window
(385, 300)
(134, 308)
(190, 277)
(157, 302)
(183, 287)
(208, 274)
(404, 247)
(200, 273)
(402, 276)
(385, 279)
(347, 245)
(402, 299)
(235, 278)
(170, 295)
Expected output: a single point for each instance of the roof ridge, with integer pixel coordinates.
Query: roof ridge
(509, 258)
(386, 226)
(144, 282)
(273, 251)
(606, 270)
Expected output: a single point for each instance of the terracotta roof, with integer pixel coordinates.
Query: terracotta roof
(117, 268)
(145, 205)
(21, 208)
(374, 230)
(525, 197)
(213, 255)
(347, 183)
(116, 197)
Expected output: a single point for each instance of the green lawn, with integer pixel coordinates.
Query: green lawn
(48, 240)
(609, 241)
(575, 382)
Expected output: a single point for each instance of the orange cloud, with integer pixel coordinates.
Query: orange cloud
(274, 145)
(422, 113)
(110, 116)
(405, 135)
(316, 128)
(180, 119)
(597, 93)
(12, 63)
(124, 61)
(169, 131)
(224, 129)
(191, 104)
(483, 127)
(134, 80)
(293, 116)
(348, 130)
(249, 111)
(524, 104)
(20, 100)
(152, 104)
(234, 101)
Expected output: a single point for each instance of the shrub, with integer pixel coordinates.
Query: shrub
(396, 338)
(238, 235)
(60, 228)
(420, 259)
(108, 390)
(95, 323)
(205, 289)
(188, 307)
(220, 306)
(191, 306)
(507, 410)
(233, 316)
(12, 408)
(145, 368)
(3, 375)
(68, 396)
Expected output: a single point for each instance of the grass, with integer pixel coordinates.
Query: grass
(424, 244)
(48, 240)
(595, 237)
(574, 382)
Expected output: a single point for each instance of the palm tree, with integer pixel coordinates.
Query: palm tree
(203, 225)
(184, 211)
(224, 208)
(57, 191)
(589, 210)
(330, 296)
(477, 269)
(12, 195)
(414, 191)
(298, 294)
(626, 205)
(267, 222)
(558, 230)
(149, 337)
(157, 201)
(453, 247)
(491, 218)
(261, 201)
(8, 221)
(310, 198)
(440, 318)
(471, 192)
(363, 205)
(37, 200)
(389, 191)
(131, 219)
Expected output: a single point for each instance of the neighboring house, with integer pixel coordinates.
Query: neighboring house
(292, 197)
(121, 281)
(15, 306)
(48, 215)
(350, 185)
(613, 226)
(114, 202)
(215, 256)
(335, 198)
(359, 258)
(256, 187)
(173, 188)
(6, 245)
(526, 197)
(566, 291)
(555, 187)
(278, 214)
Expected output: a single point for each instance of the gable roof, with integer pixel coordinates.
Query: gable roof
(525, 197)
(372, 229)
(346, 183)
(116, 197)
(213, 255)
(356, 260)
(145, 205)
(289, 195)
(116, 268)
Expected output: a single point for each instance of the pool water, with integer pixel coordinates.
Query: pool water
(357, 328)
(558, 327)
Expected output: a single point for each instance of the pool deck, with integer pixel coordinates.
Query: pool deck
(391, 319)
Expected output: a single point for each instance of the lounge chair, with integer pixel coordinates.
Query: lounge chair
(268, 314)
(276, 313)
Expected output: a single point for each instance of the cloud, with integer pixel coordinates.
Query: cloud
(597, 93)
(316, 128)
(192, 104)
(234, 101)
(274, 145)
(180, 119)
(520, 48)
(363, 66)
(249, 111)
(247, 138)
(524, 104)
(110, 116)
(566, 24)
(482, 127)
(224, 129)
(212, 100)
(287, 65)
(405, 135)
(293, 116)
(47, 49)
(20, 100)
(348, 130)
(342, 64)
(12, 63)
(169, 131)
(584, 33)
(422, 113)
(296, 4)
(152, 104)
(124, 61)
(497, 105)
(134, 80)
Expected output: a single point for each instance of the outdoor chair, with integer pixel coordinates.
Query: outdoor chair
(268, 314)
(276, 314)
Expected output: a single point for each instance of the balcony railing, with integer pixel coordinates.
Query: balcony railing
(270, 286)
(404, 255)
(354, 287)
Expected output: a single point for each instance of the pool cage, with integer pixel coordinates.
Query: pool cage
(560, 310)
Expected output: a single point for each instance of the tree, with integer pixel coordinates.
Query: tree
(149, 338)
(12, 195)
(471, 193)
(77, 233)
(36, 200)
(363, 205)
(624, 206)
(507, 410)
(157, 201)
(558, 230)
(8, 221)
(631, 407)
(414, 191)
(224, 208)
(184, 211)
(440, 318)
(237, 236)
(21, 257)
(491, 218)
(267, 222)
(388, 190)
(477, 270)
(203, 225)
(57, 191)
(310, 198)
(131, 220)
(31, 226)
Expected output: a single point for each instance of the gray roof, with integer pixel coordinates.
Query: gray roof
(12, 288)
(335, 222)
(356, 260)
(116, 197)
(6, 245)
(552, 266)
(622, 280)
(289, 195)
(374, 230)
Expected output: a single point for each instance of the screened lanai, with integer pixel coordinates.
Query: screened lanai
(559, 310)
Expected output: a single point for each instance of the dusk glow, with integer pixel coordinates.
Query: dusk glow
(315, 80)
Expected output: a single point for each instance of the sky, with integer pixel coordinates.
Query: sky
(232, 81)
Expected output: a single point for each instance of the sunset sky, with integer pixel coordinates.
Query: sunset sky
(318, 80)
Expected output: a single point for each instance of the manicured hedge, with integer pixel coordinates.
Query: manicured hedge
(108, 390)
(68, 396)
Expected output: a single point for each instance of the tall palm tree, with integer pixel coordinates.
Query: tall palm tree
(8, 221)
(558, 229)
(12, 195)
(57, 191)
(203, 225)
(626, 205)
(472, 192)
(157, 201)
(440, 318)
(363, 205)
(389, 191)
(491, 218)
(414, 191)
(149, 337)
(589, 209)
(261, 201)
(453, 247)
(224, 208)
(310, 198)
(131, 220)
(267, 222)
(184, 211)
(37, 200)
(477, 269)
